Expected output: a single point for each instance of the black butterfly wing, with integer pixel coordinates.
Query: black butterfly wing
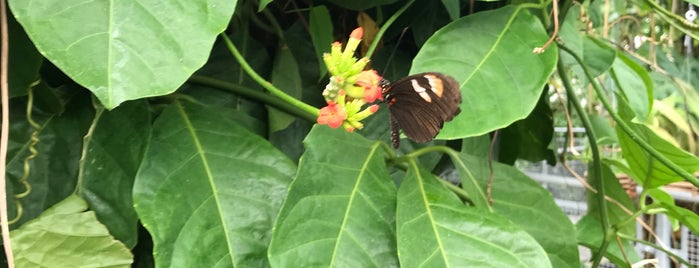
(420, 104)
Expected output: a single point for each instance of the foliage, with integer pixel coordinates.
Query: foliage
(184, 131)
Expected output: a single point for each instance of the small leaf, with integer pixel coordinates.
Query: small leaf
(589, 234)
(635, 84)
(453, 8)
(435, 229)
(263, 4)
(687, 217)
(285, 76)
(321, 28)
(70, 236)
(208, 189)
(340, 207)
(500, 74)
(125, 50)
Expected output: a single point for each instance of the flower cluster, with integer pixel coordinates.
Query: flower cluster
(350, 86)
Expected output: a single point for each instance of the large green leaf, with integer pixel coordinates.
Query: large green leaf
(646, 170)
(208, 189)
(435, 229)
(499, 72)
(124, 50)
(67, 235)
(53, 172)
(523, 201)
(109, 167)
(340, 208)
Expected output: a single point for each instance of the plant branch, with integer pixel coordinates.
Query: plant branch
(384, 27)
(596, 161)
(266, 84)
(4, 135)
(628, 130)
(251, 94)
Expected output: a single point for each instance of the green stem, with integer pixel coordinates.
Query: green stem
(384, 27)
(251, 94)
(596, 161)
(628, 130)
(264, 83)
(669, 252)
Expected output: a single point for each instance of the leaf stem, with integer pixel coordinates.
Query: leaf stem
(596, 161)
(266, 84)
(628, 130)
(384, 27)
(251, 94)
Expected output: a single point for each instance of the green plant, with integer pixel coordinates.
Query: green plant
(190, 125)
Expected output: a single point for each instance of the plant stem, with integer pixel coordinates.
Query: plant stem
(251, 94)
(663, 249)
(596, 161)
(265, 84)
(384, 27)
(628, 130)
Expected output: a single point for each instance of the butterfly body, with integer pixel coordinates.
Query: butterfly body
(420, 104)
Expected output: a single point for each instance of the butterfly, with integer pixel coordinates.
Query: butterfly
(420, 104)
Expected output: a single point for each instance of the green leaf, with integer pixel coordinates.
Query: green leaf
(648, 171)
(603, 130)
(598, 58)
(527, 204)
(109, 167)
(263, 4)
(285, 76)
(589, 234)
(453, 8)
(70, 236)
(54, 171)
(208, 190)
(500, 74)
(23, 58)
(340, 208)
(435, 229)
(321, 28)
(361, 4)
(687, 217)
(614, 190)
(635, 84)
(125, 50)
(529, 138)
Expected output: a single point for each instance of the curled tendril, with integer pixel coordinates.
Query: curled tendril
(33, 141)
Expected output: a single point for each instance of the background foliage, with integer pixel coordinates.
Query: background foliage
(150, 133)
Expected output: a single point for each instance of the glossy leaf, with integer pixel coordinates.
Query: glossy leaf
(208, 190)
(285, 76)
(109, 167)
(125, 50)
(501, 73)
(435, 229)
(340, 208)
(70, 236)
(527, 204)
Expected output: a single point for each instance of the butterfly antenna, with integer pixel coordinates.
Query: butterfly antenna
(385, 68)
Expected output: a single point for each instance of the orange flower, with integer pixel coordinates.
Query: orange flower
(369, 80)
(333, 115)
